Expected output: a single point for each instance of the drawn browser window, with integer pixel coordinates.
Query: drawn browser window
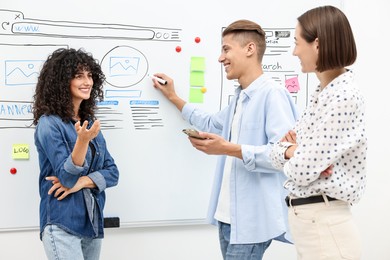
(25, 44)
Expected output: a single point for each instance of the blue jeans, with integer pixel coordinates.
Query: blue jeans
(61, 245)
(239, 251)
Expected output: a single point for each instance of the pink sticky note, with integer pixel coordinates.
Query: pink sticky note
(292, 85)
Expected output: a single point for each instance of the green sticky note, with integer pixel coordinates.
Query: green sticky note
(198, 64)
(196, 95)
(20, 151)
(197, 78)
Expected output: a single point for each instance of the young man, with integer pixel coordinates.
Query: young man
(247, 200)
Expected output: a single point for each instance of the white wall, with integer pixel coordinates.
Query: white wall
(369, 20)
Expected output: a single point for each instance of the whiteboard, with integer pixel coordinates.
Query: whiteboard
(163, 179)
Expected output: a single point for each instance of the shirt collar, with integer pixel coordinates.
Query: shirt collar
(253, 87)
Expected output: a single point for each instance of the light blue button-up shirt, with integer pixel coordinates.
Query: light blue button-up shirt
(257, 209)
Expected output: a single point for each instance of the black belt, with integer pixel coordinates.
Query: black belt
(308, 200)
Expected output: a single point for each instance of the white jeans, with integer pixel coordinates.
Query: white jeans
(60, 245)
(324, 231)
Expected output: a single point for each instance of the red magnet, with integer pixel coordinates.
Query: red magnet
(13, 170)
(178, 49)
(197, 39)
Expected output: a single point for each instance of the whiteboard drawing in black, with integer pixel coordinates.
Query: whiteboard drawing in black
(124, 66)
(15, 23)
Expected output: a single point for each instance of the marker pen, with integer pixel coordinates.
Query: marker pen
(160, 80)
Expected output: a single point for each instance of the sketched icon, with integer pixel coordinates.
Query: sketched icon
(22, 72)
(123, 66)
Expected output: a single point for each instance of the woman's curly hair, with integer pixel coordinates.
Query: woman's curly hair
(52, 94)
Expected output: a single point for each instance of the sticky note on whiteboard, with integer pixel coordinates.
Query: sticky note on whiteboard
(20, 151)
(198, 64)
(292, 84)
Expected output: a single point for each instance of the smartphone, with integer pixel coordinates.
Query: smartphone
(192, 133)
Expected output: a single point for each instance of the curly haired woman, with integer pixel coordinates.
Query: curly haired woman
(75, 165)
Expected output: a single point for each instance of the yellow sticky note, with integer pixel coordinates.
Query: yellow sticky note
(198, 64)
(20, 151)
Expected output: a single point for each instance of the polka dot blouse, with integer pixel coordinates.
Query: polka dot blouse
(331, 131)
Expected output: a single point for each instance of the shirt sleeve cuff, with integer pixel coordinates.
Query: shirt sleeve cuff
(99, 180)
(248, 158)
(73, 169)
(278, 154)
(187, 111)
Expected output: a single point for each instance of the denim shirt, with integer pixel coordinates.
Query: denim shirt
(257, 209)
(55, 140)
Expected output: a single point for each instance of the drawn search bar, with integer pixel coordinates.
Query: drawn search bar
(74, 31)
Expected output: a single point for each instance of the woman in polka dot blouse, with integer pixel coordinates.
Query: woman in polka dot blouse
(324, 155)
